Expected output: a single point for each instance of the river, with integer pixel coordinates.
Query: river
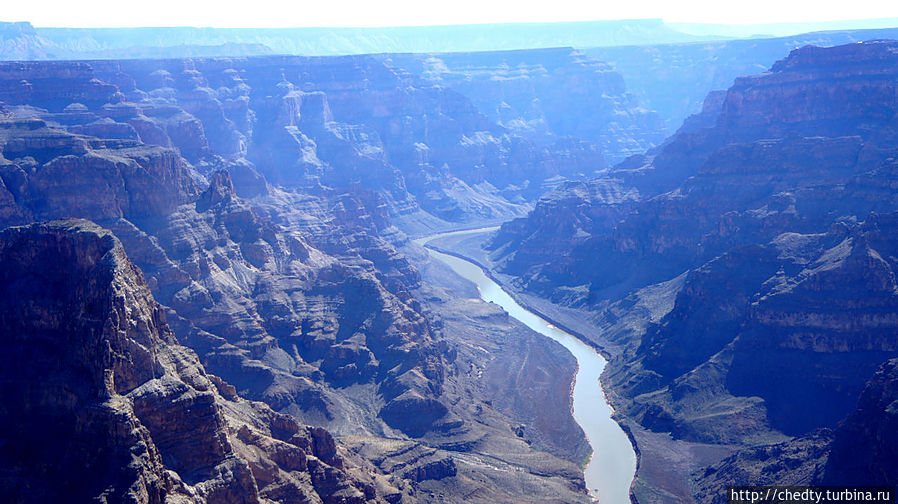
(613, 463)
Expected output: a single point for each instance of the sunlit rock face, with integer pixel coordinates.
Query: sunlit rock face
(548, 93)
(260, 210)
(307, 270)
(674, 79)
(257, 194)
(792, 149)
(465, 136)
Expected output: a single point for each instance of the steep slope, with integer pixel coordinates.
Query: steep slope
(20, 41)
(771, 155)
(750, 327)
(860, 451)
(549, 94)
(673, 79)
(294, 293)
(864, 444)
(384, 123)
(102, 403)
(764, 228)
(233, 277)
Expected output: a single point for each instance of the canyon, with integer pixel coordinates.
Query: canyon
(260, 198)
(101, 402)
(745, 276)
(211, 265)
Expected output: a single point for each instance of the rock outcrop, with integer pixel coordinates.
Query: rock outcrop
(227, 272)
(441, 142)
(765, 224)
(760, 160)
(673, 79)
(864, 446)
(102, 403)
(281, 270)
(550, 93)
(860, 451)
(748, 329)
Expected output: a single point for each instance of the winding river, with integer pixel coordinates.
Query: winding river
(613, 463)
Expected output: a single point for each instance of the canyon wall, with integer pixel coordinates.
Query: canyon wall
(764, 225)
(258, 198)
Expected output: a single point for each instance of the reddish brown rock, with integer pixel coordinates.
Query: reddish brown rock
(102, 402)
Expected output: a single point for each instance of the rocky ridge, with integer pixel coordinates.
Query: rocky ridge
(291, 290)
(859, 451)
(732, 173)
(230, 275)
(765, 224)
(386, 123)
(519, 90)
(21, 40)
(102, 403)
(673, 79)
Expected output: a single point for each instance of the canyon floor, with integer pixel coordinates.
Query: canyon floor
(665, 464)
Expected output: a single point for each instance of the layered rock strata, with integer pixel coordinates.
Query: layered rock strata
(102, 403)
(361, 121)
(293, 292)
(763, 227)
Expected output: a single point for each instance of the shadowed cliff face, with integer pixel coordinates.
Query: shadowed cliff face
(860, 451)
(292, 292)
(100, 401)
(772, 212)
(780, 336)
(864, 446)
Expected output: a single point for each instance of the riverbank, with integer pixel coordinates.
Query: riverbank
(610, 471)
(510, 386)
(664, 465)
(467, 245)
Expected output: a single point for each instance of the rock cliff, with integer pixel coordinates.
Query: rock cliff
(469, 143)
(673, 79)
(860, 451)
(748, 328)
(102, 403)
(761, 159)
(553, 93)
(764, 228)
(229, 273)
(259, 210)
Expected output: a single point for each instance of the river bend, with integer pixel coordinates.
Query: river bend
(612, 466)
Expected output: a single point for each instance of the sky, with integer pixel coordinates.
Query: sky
(302, 13)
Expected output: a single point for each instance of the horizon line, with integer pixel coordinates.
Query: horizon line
(459, 25)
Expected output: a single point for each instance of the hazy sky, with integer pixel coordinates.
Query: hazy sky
(276, 13)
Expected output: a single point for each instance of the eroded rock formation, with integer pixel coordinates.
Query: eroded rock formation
(259, 209)
(764, 226)
(102, 403)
